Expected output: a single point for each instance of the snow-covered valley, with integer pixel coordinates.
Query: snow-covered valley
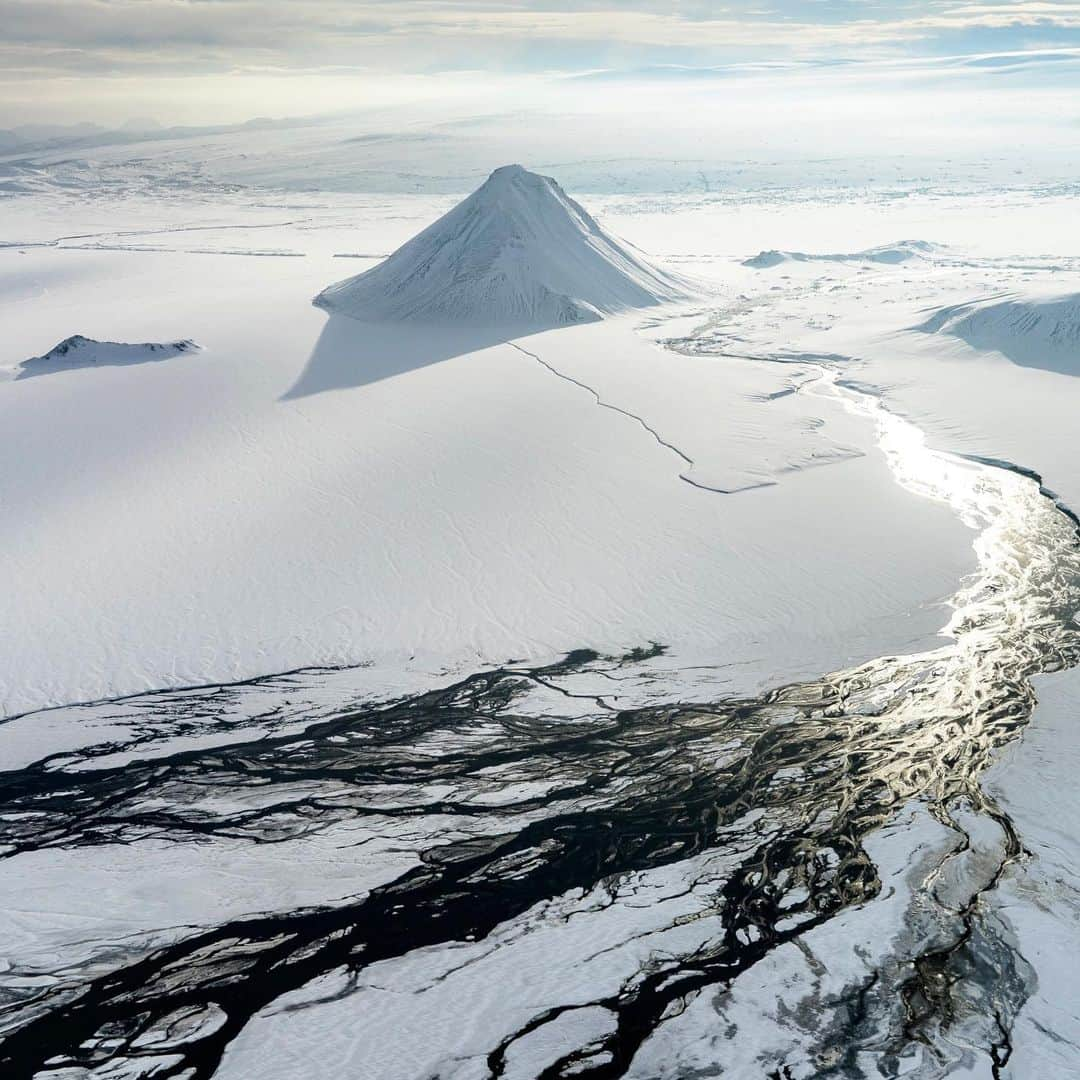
(652, 681)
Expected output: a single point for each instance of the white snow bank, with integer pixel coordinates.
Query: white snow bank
(518, 250)
(78, 351)
(1031, 330)
(886, 254)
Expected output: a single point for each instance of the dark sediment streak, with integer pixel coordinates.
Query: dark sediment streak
(789, 784)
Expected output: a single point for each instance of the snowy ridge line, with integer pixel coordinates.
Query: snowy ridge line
(884, 254)
(146, 249)
(79, 351)
(146, 232)
(660, 440)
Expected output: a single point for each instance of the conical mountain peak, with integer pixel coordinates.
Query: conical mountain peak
(515, 176)
(518, 250)
(509, 172)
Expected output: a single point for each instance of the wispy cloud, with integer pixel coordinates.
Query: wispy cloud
(46, 40)
(281, 29)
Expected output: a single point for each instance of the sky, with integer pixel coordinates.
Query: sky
(224, 61)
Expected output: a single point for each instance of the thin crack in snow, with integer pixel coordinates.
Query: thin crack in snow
(660, 440)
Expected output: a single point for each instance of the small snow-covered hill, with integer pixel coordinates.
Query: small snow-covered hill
(1031, 330)
(518, 250)
(78, 351)
(886, 255)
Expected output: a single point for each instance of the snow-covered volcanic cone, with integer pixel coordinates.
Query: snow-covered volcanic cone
(518, 250)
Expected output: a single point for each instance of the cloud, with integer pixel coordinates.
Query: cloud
(281, 31)
(48, 42)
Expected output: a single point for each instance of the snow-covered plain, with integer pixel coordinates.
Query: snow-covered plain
(234, 508)
(781, 479)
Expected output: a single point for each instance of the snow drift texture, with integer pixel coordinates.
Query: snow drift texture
(518, 250)
(78, 351)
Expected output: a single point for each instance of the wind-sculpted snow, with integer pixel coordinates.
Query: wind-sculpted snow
(517, 251)
(79, 352)
(1040, 331)
(563, 870)
(886, 254)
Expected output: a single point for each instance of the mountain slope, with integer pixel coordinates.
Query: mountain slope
(1032, 330)
(78, 351)
(518, 250)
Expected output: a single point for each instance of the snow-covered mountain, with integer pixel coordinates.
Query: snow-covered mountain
(518, 250)
(1033, 330)
(78, 351)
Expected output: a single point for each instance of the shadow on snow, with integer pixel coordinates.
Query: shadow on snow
(350, 353)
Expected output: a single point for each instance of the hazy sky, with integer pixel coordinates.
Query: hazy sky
(223, 60)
